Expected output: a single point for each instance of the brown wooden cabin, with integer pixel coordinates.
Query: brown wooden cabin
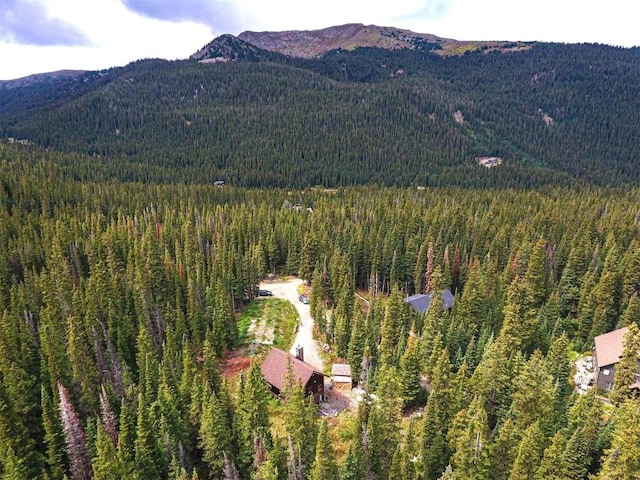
(274, 368)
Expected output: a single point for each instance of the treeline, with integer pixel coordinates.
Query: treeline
(553, 112)
(118, 301)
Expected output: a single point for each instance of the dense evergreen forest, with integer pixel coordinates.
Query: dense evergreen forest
(553, 112)
(119, 300)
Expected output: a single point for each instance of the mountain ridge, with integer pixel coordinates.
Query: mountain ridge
(44, 77)
(313, 43)
(402, 116)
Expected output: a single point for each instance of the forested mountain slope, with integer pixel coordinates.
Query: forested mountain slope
(400, 117)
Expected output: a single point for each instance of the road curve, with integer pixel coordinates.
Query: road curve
(288, 290)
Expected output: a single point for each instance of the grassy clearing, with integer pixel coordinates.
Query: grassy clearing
(286, 317)
(251, 312)
(275, 314)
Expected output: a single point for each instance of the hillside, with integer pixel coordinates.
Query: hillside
(554, 114)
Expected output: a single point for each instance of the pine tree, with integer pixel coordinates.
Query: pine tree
(631, 313)
(215, 437)
(535, 278)
(353, 467)
(148, 456)
(211, 368)
(391, 328)
(622, 460)
(631, 279)
(606, 295)
(324, 466)
(170, 419)
(299, 422)
(559, 366)
(267, 471)
(470, 309)
(412, 391)
(252, 417)
(532, 394)
(54, 436)
(575, 458)
(518, 326)
(569, 284)
(357, 343)
(492, 379)
(467, 437)
(341, 329)
(434, 450)
(552, 464)
(13, 467)
(147, 363)
(529, 454)
(127, 437)
(317, 299)
(82, 364)
(106, 465)
(384, 416)
(503, 451)
(448, 474)
(308, 256)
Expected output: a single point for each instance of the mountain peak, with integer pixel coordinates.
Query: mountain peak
(255, 46)
(312, 43)
(226, 48)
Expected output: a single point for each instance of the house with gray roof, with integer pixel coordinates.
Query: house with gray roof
(421, 301)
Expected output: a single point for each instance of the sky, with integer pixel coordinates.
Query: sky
(39, 36)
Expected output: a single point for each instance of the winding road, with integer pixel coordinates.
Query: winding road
(288, 290)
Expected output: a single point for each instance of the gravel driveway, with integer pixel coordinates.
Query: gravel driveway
(288, 290)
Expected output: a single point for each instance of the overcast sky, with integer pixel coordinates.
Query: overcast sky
(46, 35)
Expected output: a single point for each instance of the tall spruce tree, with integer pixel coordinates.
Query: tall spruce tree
(324, 465)
(622, 460)
(215, 437)
(529, 455)
(253, 418)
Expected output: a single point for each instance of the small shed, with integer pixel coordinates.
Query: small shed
(341, 375)
(274, 369)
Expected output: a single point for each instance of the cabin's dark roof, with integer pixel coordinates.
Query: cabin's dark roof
(420, 302)
(274, 368)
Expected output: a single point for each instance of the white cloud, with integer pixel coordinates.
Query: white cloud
(114, 35)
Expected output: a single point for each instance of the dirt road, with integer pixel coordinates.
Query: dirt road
(288, 290)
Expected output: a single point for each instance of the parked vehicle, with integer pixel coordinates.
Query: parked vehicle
(304, 299)
(265, 293)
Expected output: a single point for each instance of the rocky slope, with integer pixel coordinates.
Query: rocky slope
(227, 48)
(313, 43)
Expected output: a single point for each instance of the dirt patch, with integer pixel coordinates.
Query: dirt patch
(338, 400)
(234, 363)
(262, 331)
